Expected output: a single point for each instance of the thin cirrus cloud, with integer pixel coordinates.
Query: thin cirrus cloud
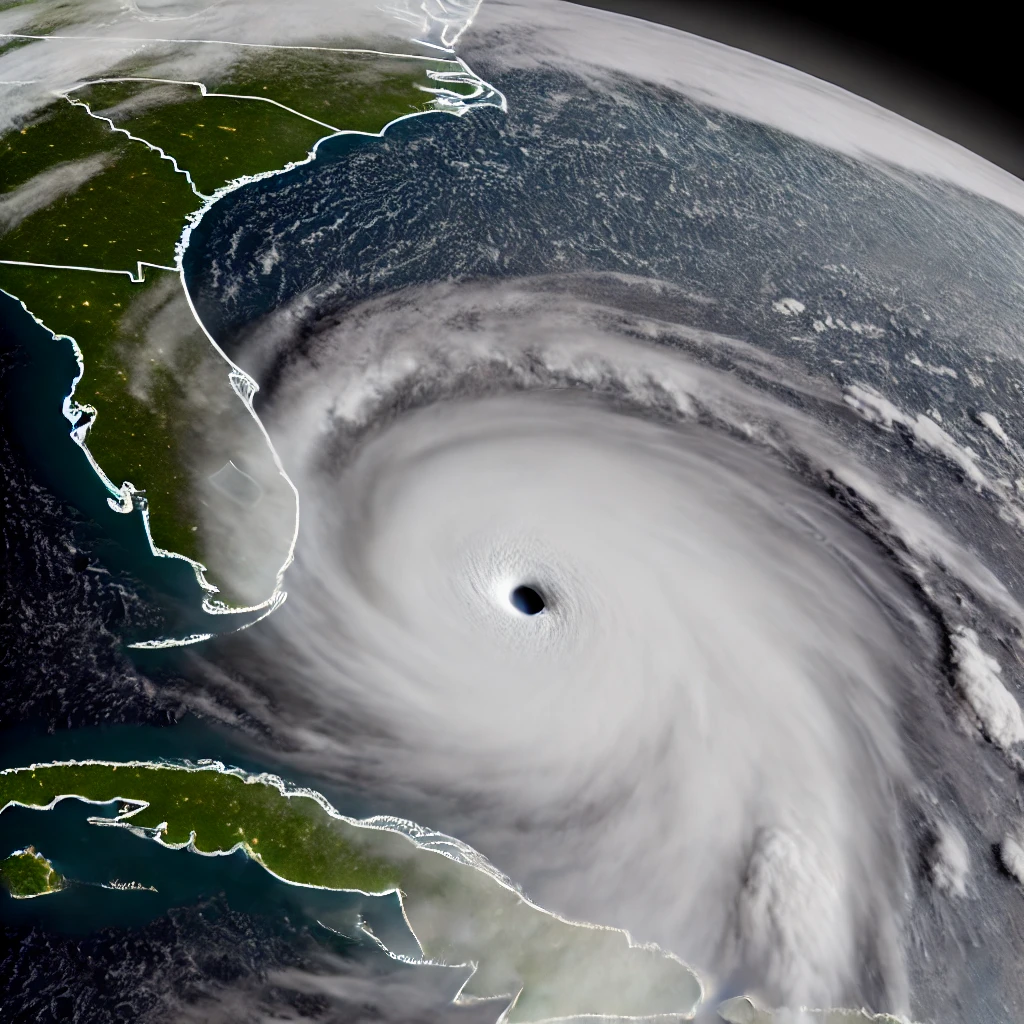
(102, 35)
(945, 76)
(45, 188)
(724, 74)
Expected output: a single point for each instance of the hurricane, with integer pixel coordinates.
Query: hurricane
(598, 589)
(702, 689)
(655, 433)
(631, 543)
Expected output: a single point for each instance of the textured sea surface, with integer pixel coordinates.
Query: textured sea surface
(744, 409)
(852, 325)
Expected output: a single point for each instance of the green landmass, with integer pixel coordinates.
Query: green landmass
(218, 139)
(12, 44)
(51, 17)
(460, 911)
(147, 366)
(384, 87)
(26, 873)
(132, 208)
(78, 193)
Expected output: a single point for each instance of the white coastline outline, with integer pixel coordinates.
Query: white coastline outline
(126, 498)
(883, 1017)
(424, 839)
(28, 851)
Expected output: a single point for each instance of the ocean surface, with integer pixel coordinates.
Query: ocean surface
(855, 276)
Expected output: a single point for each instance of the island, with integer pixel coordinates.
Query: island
(27, 873)
(460, 910)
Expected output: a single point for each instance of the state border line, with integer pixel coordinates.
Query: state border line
(137, 278)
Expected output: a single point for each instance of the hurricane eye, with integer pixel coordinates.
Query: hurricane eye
(527, 600)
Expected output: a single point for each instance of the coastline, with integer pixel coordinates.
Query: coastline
(126, 498)
(422, 887)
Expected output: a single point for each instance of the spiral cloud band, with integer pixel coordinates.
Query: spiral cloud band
(697, 731)
(660, 502)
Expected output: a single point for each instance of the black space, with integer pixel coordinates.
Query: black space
(957, 73)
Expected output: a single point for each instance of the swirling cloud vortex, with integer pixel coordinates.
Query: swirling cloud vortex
(695, 738)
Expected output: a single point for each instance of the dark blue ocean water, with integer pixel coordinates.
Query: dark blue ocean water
(909, 285)
(576, 179)
(580, 178)
(79, 585)
(40, 374)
